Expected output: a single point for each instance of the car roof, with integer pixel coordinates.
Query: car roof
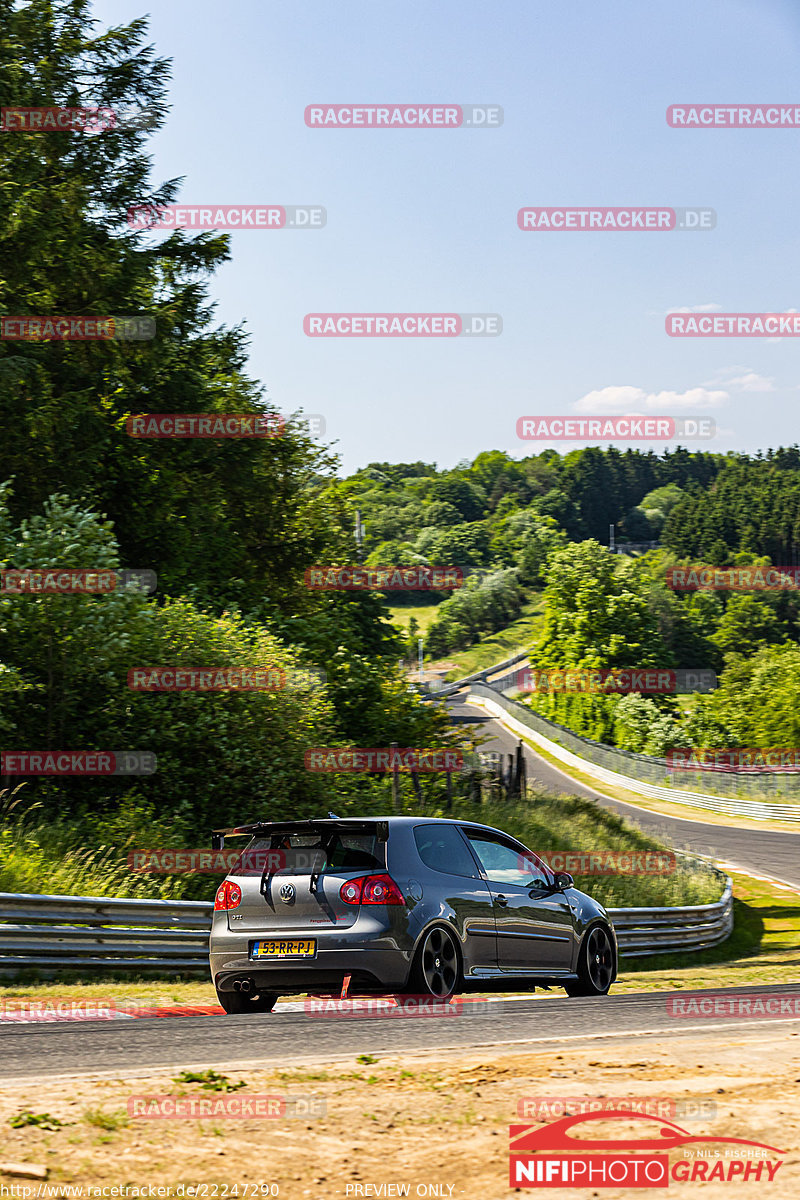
(390, 820)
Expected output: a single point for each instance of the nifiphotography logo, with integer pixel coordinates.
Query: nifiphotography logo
(654, 1153)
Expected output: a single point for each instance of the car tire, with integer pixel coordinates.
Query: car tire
(239, 1002)
(595, 964)
(436, 970)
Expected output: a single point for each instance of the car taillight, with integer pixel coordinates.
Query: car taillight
(371, 889)
(229, 895)
(350, 892)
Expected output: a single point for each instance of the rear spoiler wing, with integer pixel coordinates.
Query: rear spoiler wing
(354, 825)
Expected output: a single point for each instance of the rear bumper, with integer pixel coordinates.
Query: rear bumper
(376, 950)
(381, 966)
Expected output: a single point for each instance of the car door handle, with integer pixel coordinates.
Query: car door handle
(501, 900)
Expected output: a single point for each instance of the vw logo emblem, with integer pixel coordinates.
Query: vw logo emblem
(287, 893)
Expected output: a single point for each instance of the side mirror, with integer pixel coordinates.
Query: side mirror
(564, 880)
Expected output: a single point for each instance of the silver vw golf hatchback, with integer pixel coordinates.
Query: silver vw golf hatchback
(399, 905)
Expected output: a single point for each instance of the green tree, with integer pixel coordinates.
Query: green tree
(758, 700)
(469, 498)
(596, 612)
(482, 607)
(640, 725)
(747, 624)
(597, 615)
(225, 522)
(464, 545)
(222, 757)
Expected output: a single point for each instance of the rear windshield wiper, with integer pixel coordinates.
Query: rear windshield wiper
(315, 874)
(266, 877)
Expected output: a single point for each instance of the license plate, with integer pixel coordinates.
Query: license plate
(285, 948)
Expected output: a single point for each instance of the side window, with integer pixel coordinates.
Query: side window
(504, 863)
(442, 848)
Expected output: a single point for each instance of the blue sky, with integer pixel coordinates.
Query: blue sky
(425, 220)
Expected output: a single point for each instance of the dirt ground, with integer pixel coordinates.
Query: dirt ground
(437, 1123)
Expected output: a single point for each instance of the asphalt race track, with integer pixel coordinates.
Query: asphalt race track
(270, 1039)
(760, 852)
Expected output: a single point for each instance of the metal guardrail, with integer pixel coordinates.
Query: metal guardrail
(456, 684)
(643, 931)
(74, 932)
(645, 775)
(68, 933)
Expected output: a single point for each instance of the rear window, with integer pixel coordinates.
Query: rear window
(306, 853)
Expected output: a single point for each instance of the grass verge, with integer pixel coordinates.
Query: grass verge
(764, 947)
(424, 614)
(518, 636)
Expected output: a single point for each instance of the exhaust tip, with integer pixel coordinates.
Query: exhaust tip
(244, 985)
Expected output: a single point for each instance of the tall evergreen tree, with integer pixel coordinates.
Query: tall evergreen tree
(223, 521)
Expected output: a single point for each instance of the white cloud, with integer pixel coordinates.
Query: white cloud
(611, 400)
(626, 399)
(751, 382)
(743, 379)
(696, 308)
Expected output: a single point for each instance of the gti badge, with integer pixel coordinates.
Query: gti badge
(287, 893)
